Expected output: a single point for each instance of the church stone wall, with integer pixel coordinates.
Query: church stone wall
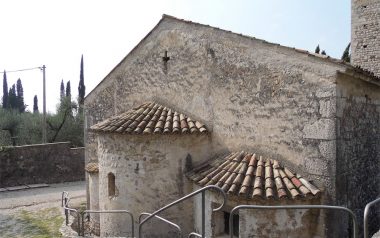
(260, 223)
(358, 147)
(252, 95)
(149, 173)
(365, 34)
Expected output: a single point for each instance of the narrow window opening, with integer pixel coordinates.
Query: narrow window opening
(235, 224)
(111, 184)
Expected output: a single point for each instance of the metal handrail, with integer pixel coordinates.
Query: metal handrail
(164, 220)
(194, 234)
(202, 190)
(237, 208)
(67, 209)
(64, 201)
(366, 213)
(109, 211)
(64, 197)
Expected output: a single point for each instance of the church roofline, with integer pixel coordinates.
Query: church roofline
(369, 75)
(150, 118)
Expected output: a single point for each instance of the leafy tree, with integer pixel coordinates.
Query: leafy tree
(12, 98)
(5, 90)
(62, 90)
(35, 104)
(10, 122)
(81, 87)
(20, 96)
(64, 126)
(346, 57)
(317, 49)
(323, 52)
(19, 128)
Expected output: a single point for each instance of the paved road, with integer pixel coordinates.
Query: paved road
(38, 202)
(35, 196)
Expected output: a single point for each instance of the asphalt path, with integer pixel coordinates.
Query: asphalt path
(35, 196)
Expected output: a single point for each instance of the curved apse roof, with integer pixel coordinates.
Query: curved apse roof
(243, 174)
(150, 118)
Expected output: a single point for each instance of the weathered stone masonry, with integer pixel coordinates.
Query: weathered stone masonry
(44, 163)
(365, 30)
(358, 147)
(254, 96)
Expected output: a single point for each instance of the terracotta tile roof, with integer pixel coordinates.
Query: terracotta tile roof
(150, 118)
(92, 167)
(246, 175)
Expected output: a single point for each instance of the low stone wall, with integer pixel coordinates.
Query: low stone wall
(42, 163)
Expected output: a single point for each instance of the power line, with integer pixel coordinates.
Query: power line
(20, 70)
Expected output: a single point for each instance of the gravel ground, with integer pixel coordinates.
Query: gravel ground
(37, 212)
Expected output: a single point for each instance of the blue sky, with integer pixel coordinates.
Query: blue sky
(56, 33)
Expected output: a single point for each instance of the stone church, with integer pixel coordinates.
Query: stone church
(193, 105)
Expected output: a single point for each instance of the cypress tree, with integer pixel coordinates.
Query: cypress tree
(323, 52)
(5, 91)
(20, 96)
(12, 97)
(81, 87)
(35, 104)
(68, 96)
(68, 89)
(317, 49)
(346, 57)
(62, 90)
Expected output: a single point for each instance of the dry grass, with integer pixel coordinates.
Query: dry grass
(44, 223)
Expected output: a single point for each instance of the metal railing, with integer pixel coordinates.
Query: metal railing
(194, 234)
(65, 199)
(108, 211)
(202, 190)
(237, 208)
(64, 202)
(164, 220)
(366, 213)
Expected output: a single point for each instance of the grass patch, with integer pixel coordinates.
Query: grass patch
(44, 223)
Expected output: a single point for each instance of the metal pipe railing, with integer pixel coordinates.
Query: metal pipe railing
(194, 234)
(65, 199)
(64, 202)
(64, 196)
(164, 220)
(366, 213)
(202, 190)
(109, 211)
(237, 208)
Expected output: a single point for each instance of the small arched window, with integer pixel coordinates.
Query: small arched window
(111, 184)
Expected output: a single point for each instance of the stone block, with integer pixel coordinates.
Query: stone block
(326, 92)
(328, 149)
(327, 107)
(323, 129)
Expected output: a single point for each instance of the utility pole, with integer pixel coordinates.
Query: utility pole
(44, 105)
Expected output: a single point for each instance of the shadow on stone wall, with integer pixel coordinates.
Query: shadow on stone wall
(42, 163)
